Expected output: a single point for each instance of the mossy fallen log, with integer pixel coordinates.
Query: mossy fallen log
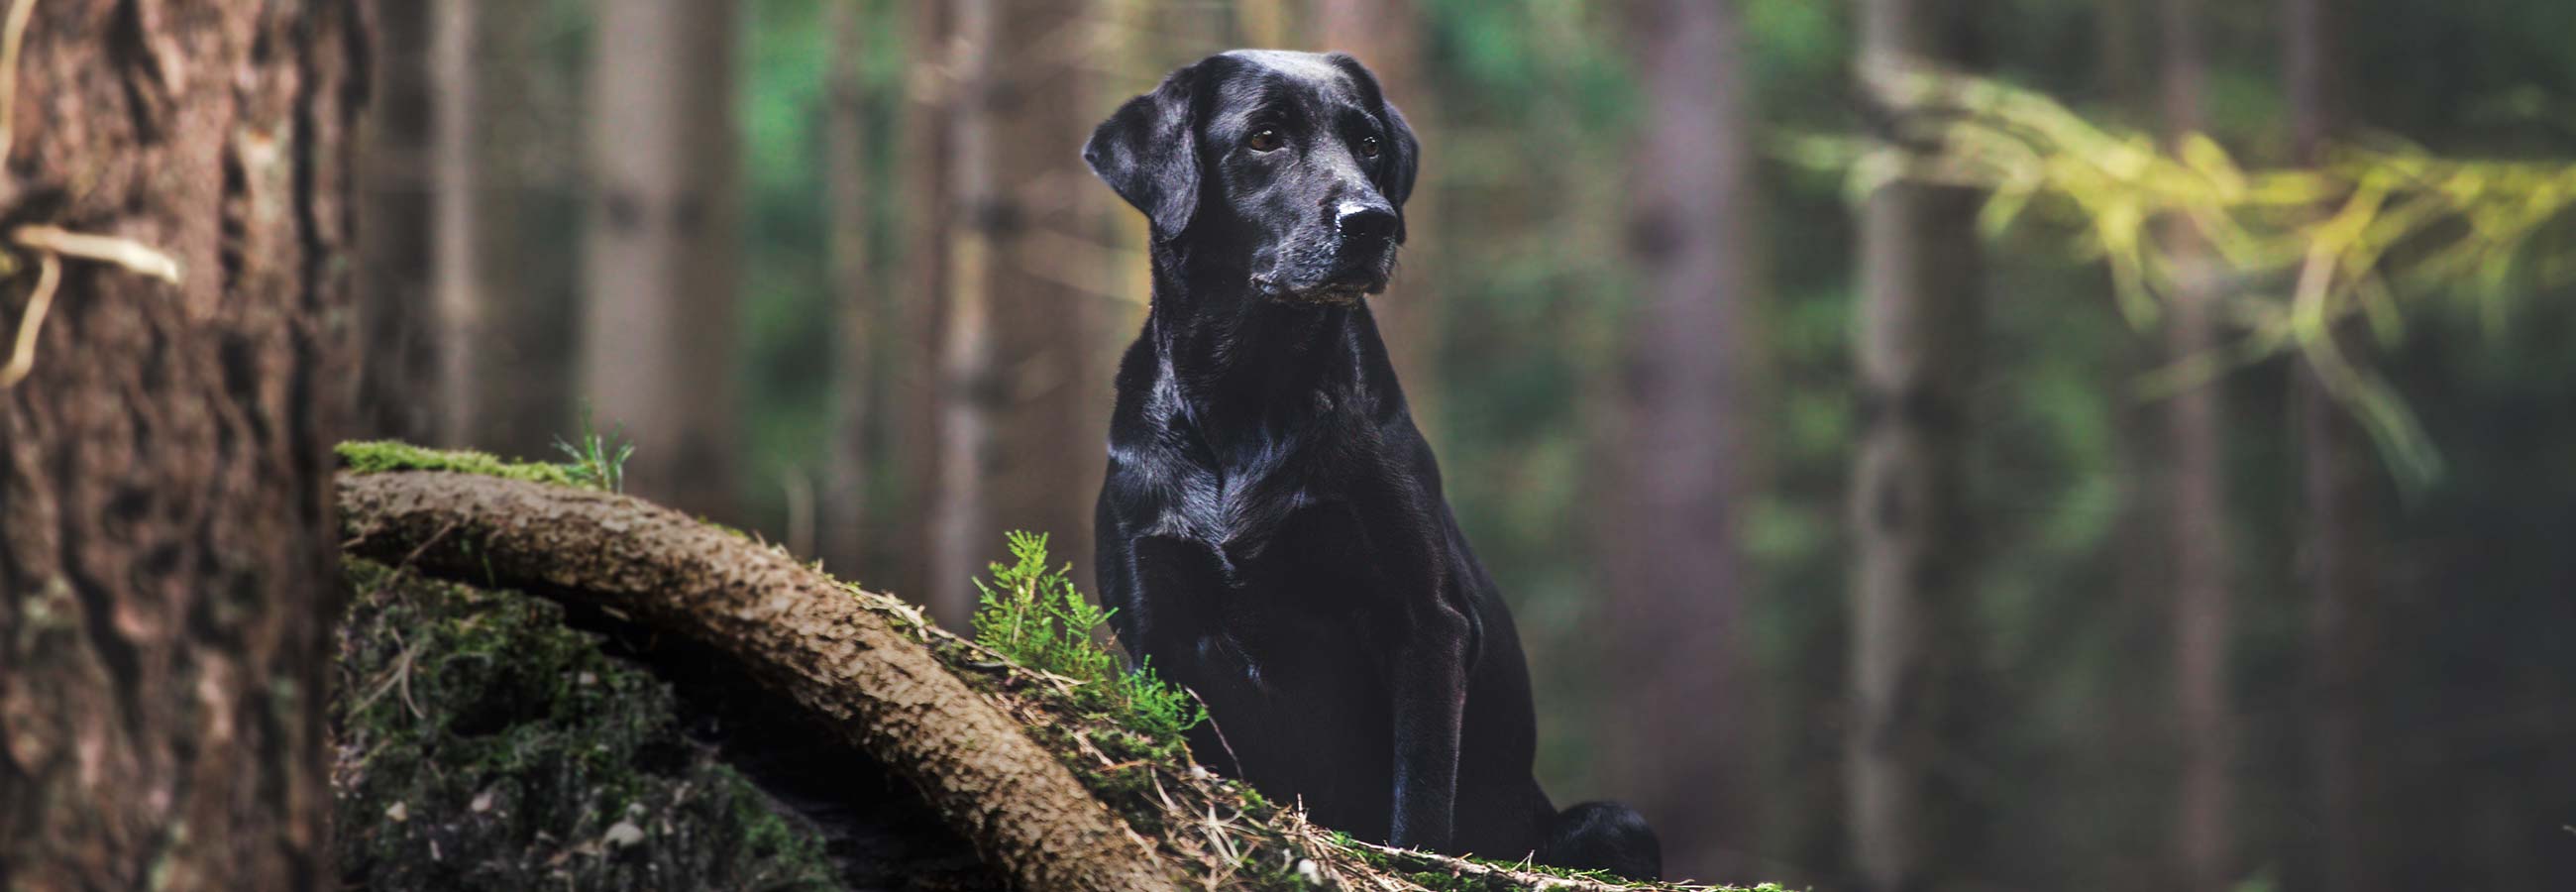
(1053, 793)
(790, 626)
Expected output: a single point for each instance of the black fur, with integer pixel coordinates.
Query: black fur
(1272, 533)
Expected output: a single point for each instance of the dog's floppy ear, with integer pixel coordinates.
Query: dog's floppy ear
(1396, 180)
(1408, 157)
(1149, 152)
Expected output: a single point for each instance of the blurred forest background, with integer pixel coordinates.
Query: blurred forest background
(1853, 541)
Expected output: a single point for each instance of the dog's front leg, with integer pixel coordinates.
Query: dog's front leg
(1430, 688)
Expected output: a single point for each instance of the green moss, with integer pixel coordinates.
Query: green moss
(373, 456)
(480, 743)
(597, 462)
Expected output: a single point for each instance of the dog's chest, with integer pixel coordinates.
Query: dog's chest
(1238, 500)
(1278, 520)
(1289, 608)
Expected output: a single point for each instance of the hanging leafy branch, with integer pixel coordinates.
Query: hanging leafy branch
(2304, 248)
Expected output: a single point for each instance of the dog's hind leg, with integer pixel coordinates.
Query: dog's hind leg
(1603, 836)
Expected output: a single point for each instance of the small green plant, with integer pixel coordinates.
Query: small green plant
(1033, 616)
(597, 462)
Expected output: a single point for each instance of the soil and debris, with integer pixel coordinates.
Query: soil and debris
(481, 742)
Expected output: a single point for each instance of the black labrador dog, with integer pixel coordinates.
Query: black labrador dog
(1272, 533)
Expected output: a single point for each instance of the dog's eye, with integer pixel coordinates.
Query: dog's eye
(1266, 139)
(1369, 147)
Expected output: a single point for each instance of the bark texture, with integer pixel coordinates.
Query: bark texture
(795, 629)
(1673, 558)
(659, 278)
(167, 576)
(1915, 350)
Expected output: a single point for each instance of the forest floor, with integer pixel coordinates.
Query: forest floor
(483, 740)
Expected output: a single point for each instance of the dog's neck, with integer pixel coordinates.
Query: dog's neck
(1238, 358)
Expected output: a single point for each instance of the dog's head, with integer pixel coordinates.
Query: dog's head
(1292, 166)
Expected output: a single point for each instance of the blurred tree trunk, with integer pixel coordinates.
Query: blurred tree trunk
(1264, 23)
(2119, 66)
(2340, 515)
(1024, 411)
(416, 300)
(1046, 282)
(1674, 561)
(915, 313)
(525, 211)
(2201, 615)
(657, 325)
(843, 513)
(2131, 742)
(455, 238)
(1386, 35)
(167, 553)
(397, 369)
(1914, 546)
(959, 512)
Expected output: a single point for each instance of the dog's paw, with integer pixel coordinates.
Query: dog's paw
(1604, 836)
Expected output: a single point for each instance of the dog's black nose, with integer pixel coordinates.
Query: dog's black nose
(1365, 221)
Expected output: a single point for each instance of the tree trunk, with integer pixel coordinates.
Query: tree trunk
(419, 291)
(2198, 505)
(2130, 743)
(166, 564)
(961, 514)
(843, 529)
(916, 311)
(1263, 23)
(527, 168)
(2137, 454)
(657, 327)
(1386, 36)
(1026, 410)
(455, 256)
(798, 631)
(397, 386)
(2336, 539)
(1053, 432)
(1673, 557)
(2119, 66)
(1912, 576)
